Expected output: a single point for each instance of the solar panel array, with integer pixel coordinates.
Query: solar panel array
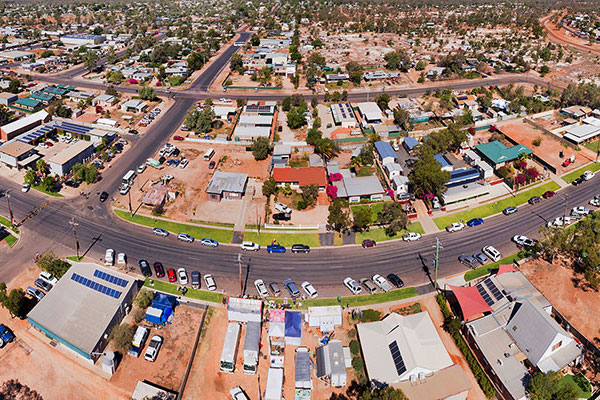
(397, 357)
(494, 289)
(110, 278)
(74, 128)
(31, 136)
(485, 295)
(96, 286)
(258, 109)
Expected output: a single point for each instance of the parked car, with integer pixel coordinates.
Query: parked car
(382, 282)
(368, 285)
(184, 163)
(281, 217)
(109, 257)
(141, 168)
(195, 275)
(209, 280)
(352, 285)
(121, 259)
(182, 275)
(291, 287)
(177, 137)
(250, 246)
(577, 181)
(300, 248)
(153, 347)
(587, 175)
(468, 260)
(160, 232)
(171, 275)
(455, 227)
(124, 189)
(261, 288)
(43, 284)
(35, 293)
(145, 268)
(184, 237)
(275, 248)
(48, 277)
(480, 257)
(159, 270)
(237, 393)
(103, 196)
(411, 236)
(211, 165)
(395, 280)
(523, 241)
(209, 242)
(368, 243)
(566, 163)
(492, 253)
(283, 208)
(6, 335)
(580, 210)
(275, 288)
(535, 200)
(309, 289)
(595, 202)
(25, 188)
(133, 131)
(548, 194)
(475, 221)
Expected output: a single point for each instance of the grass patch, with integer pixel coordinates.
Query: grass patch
(198, 232)
(42, 190)
(581, 385)
(223, 224)
(298, 163)
(74, 258)
(284, 239)
(198, 294)
(364, 300)
(375, 209)
(10, 240)
(338, 240)
(496, 207)
(378, 234)
(365, 171)
(485, 269)
(571, 176)
(593, 146)
(6, 222)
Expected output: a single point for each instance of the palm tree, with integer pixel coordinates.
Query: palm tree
(42, 167)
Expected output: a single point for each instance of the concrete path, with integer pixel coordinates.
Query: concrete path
(558, 180)
(424, 218)
(240, 224)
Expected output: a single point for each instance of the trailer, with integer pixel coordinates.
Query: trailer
(251, 347)
(227, 363)
(274, 384)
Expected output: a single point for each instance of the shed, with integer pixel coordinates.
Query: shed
(274, 384)
(293, 328)
(326, 318)
(410, 143)
(244, 310)
(302, 372)
(331, 364)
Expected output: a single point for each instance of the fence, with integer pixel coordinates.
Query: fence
(589, 345)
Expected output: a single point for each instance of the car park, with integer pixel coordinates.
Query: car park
(250, 246)
(184, 237)
(309, 289)
(455, 227)
(411, 236)
(523, 241)
(42, 284)
(468, 260)
(291, 287)
(382, 282)
(275, 288)
(548, 194)
(159, 270)
(395, 280)
(182, 275)
(103, 196)
(475, 222)
(492, 253)
(480, 257)
(283, 208)
(153, 348)
(195, 276)
(275, 248)
(510, 210)
(160, 232)
(237, 393)
(368, 285)
(145, 268)
(300, 248)
(121, 259)
(368, 243)
(261, 288)
(171, 275)
(209, 280)
(352, 285)
(35, 293)
(534, 199)
(209, 242)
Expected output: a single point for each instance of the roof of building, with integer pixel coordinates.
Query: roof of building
(370, 111)
(499, 153)
(410, 142)
(385, 150)
(145, 390)
(470, 301)
(330, 359)
(16, 148)
(105, 97)
(441, 385)
(7, 95)
(70, 152)
(400, 346)
(133, 103)
(32, 119)
(28, 102)
(362, 186)
(303, 175)
(155, 195)
(443, 161)
(342, 112)
(282, 150)
(227, 182)
(80, 307)
(302, 368)
(249, 132)
(246, 119)
(581, 133)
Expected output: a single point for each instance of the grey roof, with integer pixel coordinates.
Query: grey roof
(227, 182)
(302, 371)
(330, 359)
(282, 149)
(77, 313)
(252, 339)
(362, 186)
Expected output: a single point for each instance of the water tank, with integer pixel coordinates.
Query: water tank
(108, 362)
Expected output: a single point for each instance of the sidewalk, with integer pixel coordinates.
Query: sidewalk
(424, 218)
(558, 180)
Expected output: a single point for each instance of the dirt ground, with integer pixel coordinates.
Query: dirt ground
(568, 293)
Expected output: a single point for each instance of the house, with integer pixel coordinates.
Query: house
(343, 115)
(281, 154)
(337, 77)
(223, 112)
(261, 109)
(28, 104)
(24, 124)
(435, 72)
(385, 152)
(393, 169)
(301, 176)
(497, 154)
(155, 195)
(43, 97)
(18, 155)
(444, 163)
(227, 185)
(176, 71)
(463, 176)
(331, 363)
(134, 106)
(400, 184)
(410, 143)
(103, 100)
(370, 112)
(360, 188)
(7, 98)
(77, 315)
(581, 133)
(250, 133)
(576, 112)
(253, 121)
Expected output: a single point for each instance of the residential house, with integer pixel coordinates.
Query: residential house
(359, 188)
(281, 154)
(410, 143)
(385, 153)
(302, 176)
(497, 154)
(28, 104)
(444, 163)
(104, 100)
(134, 106)
(400, 184)
(227, 185)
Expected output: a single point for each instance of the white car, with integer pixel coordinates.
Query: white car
(124, 189)
(183, 278)
(411, 236)
(309, 289)
(250, 246)
(522, 240)
(48, 278)
(121, 258)
(109, 257)
(183, 163)
(580, 210)
(558, 222)
(238, 394)
(141, 168)
(382, 282)
(210, 282)
(595, 202)
(261, 288)
(283, 208)
(587, 175)
(153, 347)
(352, 285)
(25, 188)
(455, 227)
(492, 253)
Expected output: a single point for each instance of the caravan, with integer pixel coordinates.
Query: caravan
(229, 353)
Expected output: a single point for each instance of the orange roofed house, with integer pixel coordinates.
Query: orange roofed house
(303, 176)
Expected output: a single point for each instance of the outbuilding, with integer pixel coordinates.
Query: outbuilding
(227, 185)
(326, 318)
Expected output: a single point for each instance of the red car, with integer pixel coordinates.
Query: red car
(171, 275)
(548, 194)
(368, 243)
(177, 137)
(49, 144)
(566, 163)
(158, 268)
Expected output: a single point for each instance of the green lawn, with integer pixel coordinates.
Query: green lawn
(40, 189)
(284, 239)
(364, 300)
(571, 380)
(593, 146)
(6, 222)
(496, 207)
(198, 232)
(204, 295)
(484, 270)
(11, 240)
(378, 234)
(571, 176)
(74, 258)
(375, 208)
(223, 224)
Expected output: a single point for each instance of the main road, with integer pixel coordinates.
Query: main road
(98, 228)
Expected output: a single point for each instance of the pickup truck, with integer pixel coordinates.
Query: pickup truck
(6, 335)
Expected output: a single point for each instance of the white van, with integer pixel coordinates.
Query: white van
(139, 339)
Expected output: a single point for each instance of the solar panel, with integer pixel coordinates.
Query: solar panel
(493, 288)
(110, 278)
(485, 295)
(397, 357)
(97, 286)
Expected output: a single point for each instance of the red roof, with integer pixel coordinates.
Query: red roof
(303, 176)
(505, 268)
(471, 302)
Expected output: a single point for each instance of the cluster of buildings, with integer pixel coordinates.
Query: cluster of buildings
(272, 52)
(256, 120)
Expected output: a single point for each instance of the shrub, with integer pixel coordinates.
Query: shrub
(144, 298)
(354, 347)
(138, 315)
(121, 336)
(358, 365)
(537, 141)
(370, 315)
(302, 204)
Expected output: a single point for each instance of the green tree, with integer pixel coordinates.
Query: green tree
(354, 70)
(194, 61)
(121, 336)
(296, 118)
(338, 219)
(547, 387)
(90, 60)
(236, 63)
(386, 393)
(383, 101)
(47, 53)
(147, 93)
(286, 104)
(5, 114)
(261, 148)
(269, 187)
(396, 60)
(14, 86)
(427, 178)
(401, 117)
(144, 298)
(30, 177)
(264, 75)
(326, 148)
(50, 263)
(421, 65)
(310, 193)
(48, 184)
(362, 218)
(14, 301)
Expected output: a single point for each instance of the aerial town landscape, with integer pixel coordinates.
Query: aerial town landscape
(326, 200)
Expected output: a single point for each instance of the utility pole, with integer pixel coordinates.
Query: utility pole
(12, 222)
(566, 206)
(130, 210)
(239, 260)
(436, 261)
(75, 225)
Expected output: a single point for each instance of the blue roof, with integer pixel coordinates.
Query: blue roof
(442, 160)
(384, 149)
(293, 324)
(463, 174)
(410, 142)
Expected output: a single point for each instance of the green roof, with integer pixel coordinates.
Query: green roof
(499, 153)
(41, 96)
(27, 102)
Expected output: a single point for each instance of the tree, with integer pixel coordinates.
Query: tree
(362, 217)
(295, 117)
(396, 60)
(389, 213)
(255, 40)
(354, 70)
(47, 53)
(14, 86)
(386, 393)
(5, 114)
(261, 148)
(121, 336)
(144, 298)
(269, 187)
(194, 61)
(12, 389)
(50, 263)
(338, 219)
(30, 177)
(547, 387)
(401, 117)
(236, 63)
(14, 301)
(427, 178)
(90, 60)
(48, 184)
(264, 75)
(111, 91)
(383, 100)
(147, 93)
(310, 193)
(421, 65)
(326, 148)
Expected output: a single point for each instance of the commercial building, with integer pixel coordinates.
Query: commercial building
(7, 98)
(370, 112)
(250, 133)
(343, 115)
(19, 155)
(134, 106)
(497, 154)
(301, 176)
(61, 163)
(82, 40)
(16, 55)
(24, 124)
(227, 185)
(79, 312)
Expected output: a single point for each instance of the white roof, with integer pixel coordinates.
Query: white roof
(249, 132)
(246, 119)
(370, 110)
(324, 311)
(274, 384)
(25, 122)
(134, 104)
(581, 133)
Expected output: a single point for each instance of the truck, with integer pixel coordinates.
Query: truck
(251, 347)
(137, 344)
(6, 335)
(227, 362)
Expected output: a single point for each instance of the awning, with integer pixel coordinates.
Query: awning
(505, 268)
(471, 302)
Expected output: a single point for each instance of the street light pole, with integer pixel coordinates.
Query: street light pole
(12, 222)
(74, 225)
(436, 261)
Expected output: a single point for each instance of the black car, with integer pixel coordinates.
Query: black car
(72, 183)
(281, 217)
(43, 285)
(395, 280)
(133, 131)
(103, 196)
(195, 279)
(535, 200)
(211, 165)
(300, 248)
(159, 270)
(275, 288)
(175, 152)
(578, 181)
(162, 160)
(290, 285)
(145, 268)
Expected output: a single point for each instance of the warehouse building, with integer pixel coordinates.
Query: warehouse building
(61, 163)
(19, 126)
(77, 315)
(227, 185)
(82, 40)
